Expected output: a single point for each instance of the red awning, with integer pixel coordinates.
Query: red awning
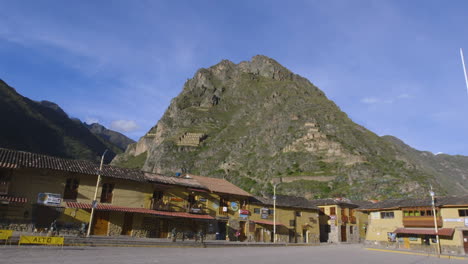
(12, 199)
(265, 222)
(108, 207)
(425, 231)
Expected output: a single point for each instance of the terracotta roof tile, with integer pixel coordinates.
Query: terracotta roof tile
(284, 201)
(14, 159)
(219, 185)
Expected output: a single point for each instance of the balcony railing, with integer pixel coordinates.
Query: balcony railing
(223, 211)
(421, 221)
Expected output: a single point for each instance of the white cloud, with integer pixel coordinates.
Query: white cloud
(124, 125)
(370, 100)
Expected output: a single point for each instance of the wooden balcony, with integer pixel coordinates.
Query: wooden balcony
(421, 221)
(221, 212)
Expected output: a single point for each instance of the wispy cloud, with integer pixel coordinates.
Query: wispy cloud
(124, 125)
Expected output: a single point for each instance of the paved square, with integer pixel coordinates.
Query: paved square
(328, 254)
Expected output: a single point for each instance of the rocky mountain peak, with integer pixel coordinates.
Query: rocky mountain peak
(256, 121)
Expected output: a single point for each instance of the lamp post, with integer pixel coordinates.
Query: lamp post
(435, 221)
(94, 203)
(274, 211)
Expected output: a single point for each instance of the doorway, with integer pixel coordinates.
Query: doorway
(101, 223)
(221, 234)
(127, 224)
(465, 241)
(343, 233)
(305, 236)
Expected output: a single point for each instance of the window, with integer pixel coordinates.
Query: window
(292, 223)
(191, 200)
(387, 215)
(106, 194)
(332, 211)
(463, 212)
(271, 211)
(256, 210)
(417, 213)
(4, 181)
(71, 189)
(298, 213)
(157, 196)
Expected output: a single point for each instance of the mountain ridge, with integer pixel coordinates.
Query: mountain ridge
(43, 127)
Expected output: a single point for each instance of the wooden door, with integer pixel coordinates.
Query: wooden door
(343, 233)
(406, 242)
(128, 224)
(242, 236)
(258, 235)
(465, 241)
(163, 228)
(101, 223)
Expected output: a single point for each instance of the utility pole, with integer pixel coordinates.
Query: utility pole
(464, 68)
(435, 221)
(274, 211)
(94, 203)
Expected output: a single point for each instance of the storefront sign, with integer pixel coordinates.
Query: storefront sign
(40, 240)
(264, 213)
(243, 216)
(375, 215)
(244, 212)
(460, 220)
(225, 209)
(202, 199)
(466, 222)
(5, 234)
(234, 206)
(49, 199)
(333, 217)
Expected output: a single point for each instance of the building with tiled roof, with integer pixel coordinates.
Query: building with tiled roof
(219, 185)
(415, 224)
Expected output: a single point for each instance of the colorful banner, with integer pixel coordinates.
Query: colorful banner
(5, 234)
(41, 240)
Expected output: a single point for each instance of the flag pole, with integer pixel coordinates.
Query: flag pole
(464, 68)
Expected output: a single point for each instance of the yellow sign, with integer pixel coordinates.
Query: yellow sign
(5, 234)
(41, 240)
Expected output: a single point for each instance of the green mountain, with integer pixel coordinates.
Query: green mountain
(117, 139)
(256, 123)
(43, 127)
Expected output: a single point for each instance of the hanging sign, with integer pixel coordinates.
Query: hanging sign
(49, 199)
(264, 213)
(244, 212)
(234, 206)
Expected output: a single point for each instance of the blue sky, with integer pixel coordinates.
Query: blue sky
(392, 66)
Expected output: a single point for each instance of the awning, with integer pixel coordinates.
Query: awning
(196, 190)
(425, 231)
(108, 207)
(265, 222)
(12, 199)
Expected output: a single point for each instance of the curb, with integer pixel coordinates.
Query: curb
(416, 253)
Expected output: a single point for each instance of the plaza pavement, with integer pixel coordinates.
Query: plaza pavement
(323, 254)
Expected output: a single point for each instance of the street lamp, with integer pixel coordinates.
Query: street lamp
(274, 211)
(94, 204)
(435, 221)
